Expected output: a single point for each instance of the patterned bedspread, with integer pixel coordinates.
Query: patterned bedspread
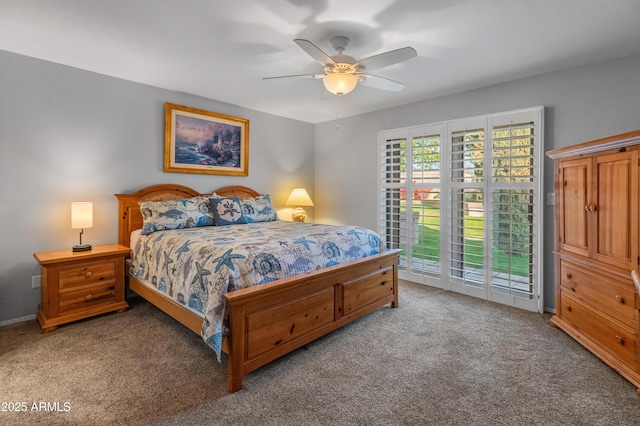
(196, 266)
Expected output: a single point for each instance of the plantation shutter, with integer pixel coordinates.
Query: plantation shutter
(513, 193)
(393, 160)
(467, 214)
(466, 209)
(424, 200)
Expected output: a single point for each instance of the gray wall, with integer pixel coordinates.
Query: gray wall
(581, 104)
(71, 135)
(68, 135)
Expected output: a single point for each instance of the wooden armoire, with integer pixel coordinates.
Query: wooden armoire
(597, 247)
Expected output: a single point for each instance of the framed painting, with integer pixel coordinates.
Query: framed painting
(199, 141)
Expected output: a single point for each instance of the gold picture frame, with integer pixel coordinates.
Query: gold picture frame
(199, 141)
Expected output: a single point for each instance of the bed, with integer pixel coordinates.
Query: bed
(266, 321)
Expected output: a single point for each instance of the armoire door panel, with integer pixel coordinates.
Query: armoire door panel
(616, 210)
(574, 196)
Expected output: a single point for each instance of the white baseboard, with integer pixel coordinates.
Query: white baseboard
(15, 320)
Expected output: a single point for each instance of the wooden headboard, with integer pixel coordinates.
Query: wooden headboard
(130, 217)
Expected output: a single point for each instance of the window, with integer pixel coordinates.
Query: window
(466, 214)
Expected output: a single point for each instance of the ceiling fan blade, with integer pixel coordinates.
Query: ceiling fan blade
(378, 82)
(314, 51)
(295, 76)
(388, 58)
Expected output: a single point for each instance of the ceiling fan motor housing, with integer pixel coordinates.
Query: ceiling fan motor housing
(341, 65)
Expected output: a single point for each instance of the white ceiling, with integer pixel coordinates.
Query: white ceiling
(221, 49)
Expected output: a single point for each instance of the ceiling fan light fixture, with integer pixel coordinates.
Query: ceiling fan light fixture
(340, 83)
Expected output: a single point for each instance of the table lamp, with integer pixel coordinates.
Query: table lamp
(81, 218)
(299, 197)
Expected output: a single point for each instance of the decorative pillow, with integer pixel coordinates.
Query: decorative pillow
(258, 209)
(227, 211)
(175, 214)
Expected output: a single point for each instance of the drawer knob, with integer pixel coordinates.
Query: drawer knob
(567, 275)
(619, 298)
(620, 339)
(88, 297)
(567, 308)
(88, 274)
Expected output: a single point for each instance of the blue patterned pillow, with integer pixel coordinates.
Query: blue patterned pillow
(258, 209)
(175, 214)
(227, 211)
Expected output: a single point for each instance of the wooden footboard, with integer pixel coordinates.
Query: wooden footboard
(271, 320)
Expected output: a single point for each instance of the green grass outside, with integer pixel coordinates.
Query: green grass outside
(428, 246)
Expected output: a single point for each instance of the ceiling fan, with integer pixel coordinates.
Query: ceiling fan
(342, 72)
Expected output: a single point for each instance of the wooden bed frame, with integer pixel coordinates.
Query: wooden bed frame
(269, 320)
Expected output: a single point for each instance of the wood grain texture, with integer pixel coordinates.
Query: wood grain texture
(269, 320)
(598, 247)
(75, 286)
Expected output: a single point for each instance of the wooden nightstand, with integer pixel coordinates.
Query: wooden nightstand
(81, 285)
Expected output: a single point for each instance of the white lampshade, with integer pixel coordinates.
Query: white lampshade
(340, 83)
(81, 215)
(299, 197)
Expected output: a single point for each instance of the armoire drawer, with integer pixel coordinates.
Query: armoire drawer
(607, 294)
(614, 337)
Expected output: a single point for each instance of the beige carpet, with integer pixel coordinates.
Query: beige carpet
(440, 359)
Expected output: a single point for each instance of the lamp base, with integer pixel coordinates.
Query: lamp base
(299, 215)
(83, 247)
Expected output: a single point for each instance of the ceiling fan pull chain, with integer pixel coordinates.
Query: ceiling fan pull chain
(338, 102)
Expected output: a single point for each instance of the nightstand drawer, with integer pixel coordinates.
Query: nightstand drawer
(86, 296)
(72, 276)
